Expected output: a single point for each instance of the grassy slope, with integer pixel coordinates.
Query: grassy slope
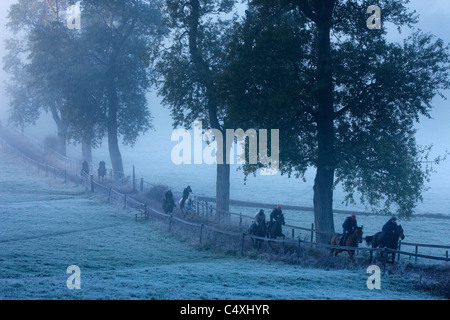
(47, 226)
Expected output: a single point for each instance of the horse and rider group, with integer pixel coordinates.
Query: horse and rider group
(351, 235)
(86, 169)
(272, 229)
(186, 203)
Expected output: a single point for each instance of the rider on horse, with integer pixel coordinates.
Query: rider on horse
(85, 169)
(275, 216)
(186, 192)
(169, 203)
(101, 170)
(389, 229)
(260, 218)
(349, 226)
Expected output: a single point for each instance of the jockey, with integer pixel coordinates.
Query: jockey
(85, 168)
(276, 218)
(389, 228)
(168, 197)
(260, 217)
(275, 214)
(349, 226)
(186, 192)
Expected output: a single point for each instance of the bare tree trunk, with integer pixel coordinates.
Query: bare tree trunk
(113, 141)
(223, 170)
(323, 183)
(62, 130)
(223, 183)
(86, 143)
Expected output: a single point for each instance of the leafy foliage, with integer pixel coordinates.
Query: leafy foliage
(379, 91)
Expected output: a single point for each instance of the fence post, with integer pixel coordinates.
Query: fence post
(142, 185)
(134, 179)
(145, 211)
(242, 243)
(293, 234)
(298, 249)
(109, 194)
(201, 233)
(124, 201)
(399, 249)
(240, 219)
(312, 232)
(415, 257)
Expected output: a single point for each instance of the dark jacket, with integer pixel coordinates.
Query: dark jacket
(275, 214)
(85, 168)
(388, 229)
(186, 193)
(260, 217)
(349, 225)
(168, 197)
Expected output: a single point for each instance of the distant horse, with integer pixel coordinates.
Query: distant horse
(85, 169)
(101, 171)
(168, 205)
(188, 205)
(390, 242)
(258, 230)
(352, 241)
(274, 229)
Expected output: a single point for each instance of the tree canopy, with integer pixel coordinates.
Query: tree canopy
(344, 98)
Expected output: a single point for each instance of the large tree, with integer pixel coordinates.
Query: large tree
(189, 69)
(120, 38)
(344, 98)
(36, 61)
(94, 80)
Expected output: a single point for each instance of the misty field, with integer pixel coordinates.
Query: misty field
(47, 226)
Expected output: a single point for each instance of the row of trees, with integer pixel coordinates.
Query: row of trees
(344, 98)
(93, 80)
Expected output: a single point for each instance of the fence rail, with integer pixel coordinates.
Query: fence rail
(206, 212)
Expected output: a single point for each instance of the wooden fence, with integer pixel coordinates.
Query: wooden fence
(205, 212)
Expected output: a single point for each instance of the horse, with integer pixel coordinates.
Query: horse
(274, 229)
(187, 206)
(390, 242)
(352, 241)
(101, 171)
(258, 230)
(168, 205)
(84, 169)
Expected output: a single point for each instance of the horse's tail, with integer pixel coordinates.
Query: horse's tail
(369, 239)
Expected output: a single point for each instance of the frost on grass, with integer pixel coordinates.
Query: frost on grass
(49, 225)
